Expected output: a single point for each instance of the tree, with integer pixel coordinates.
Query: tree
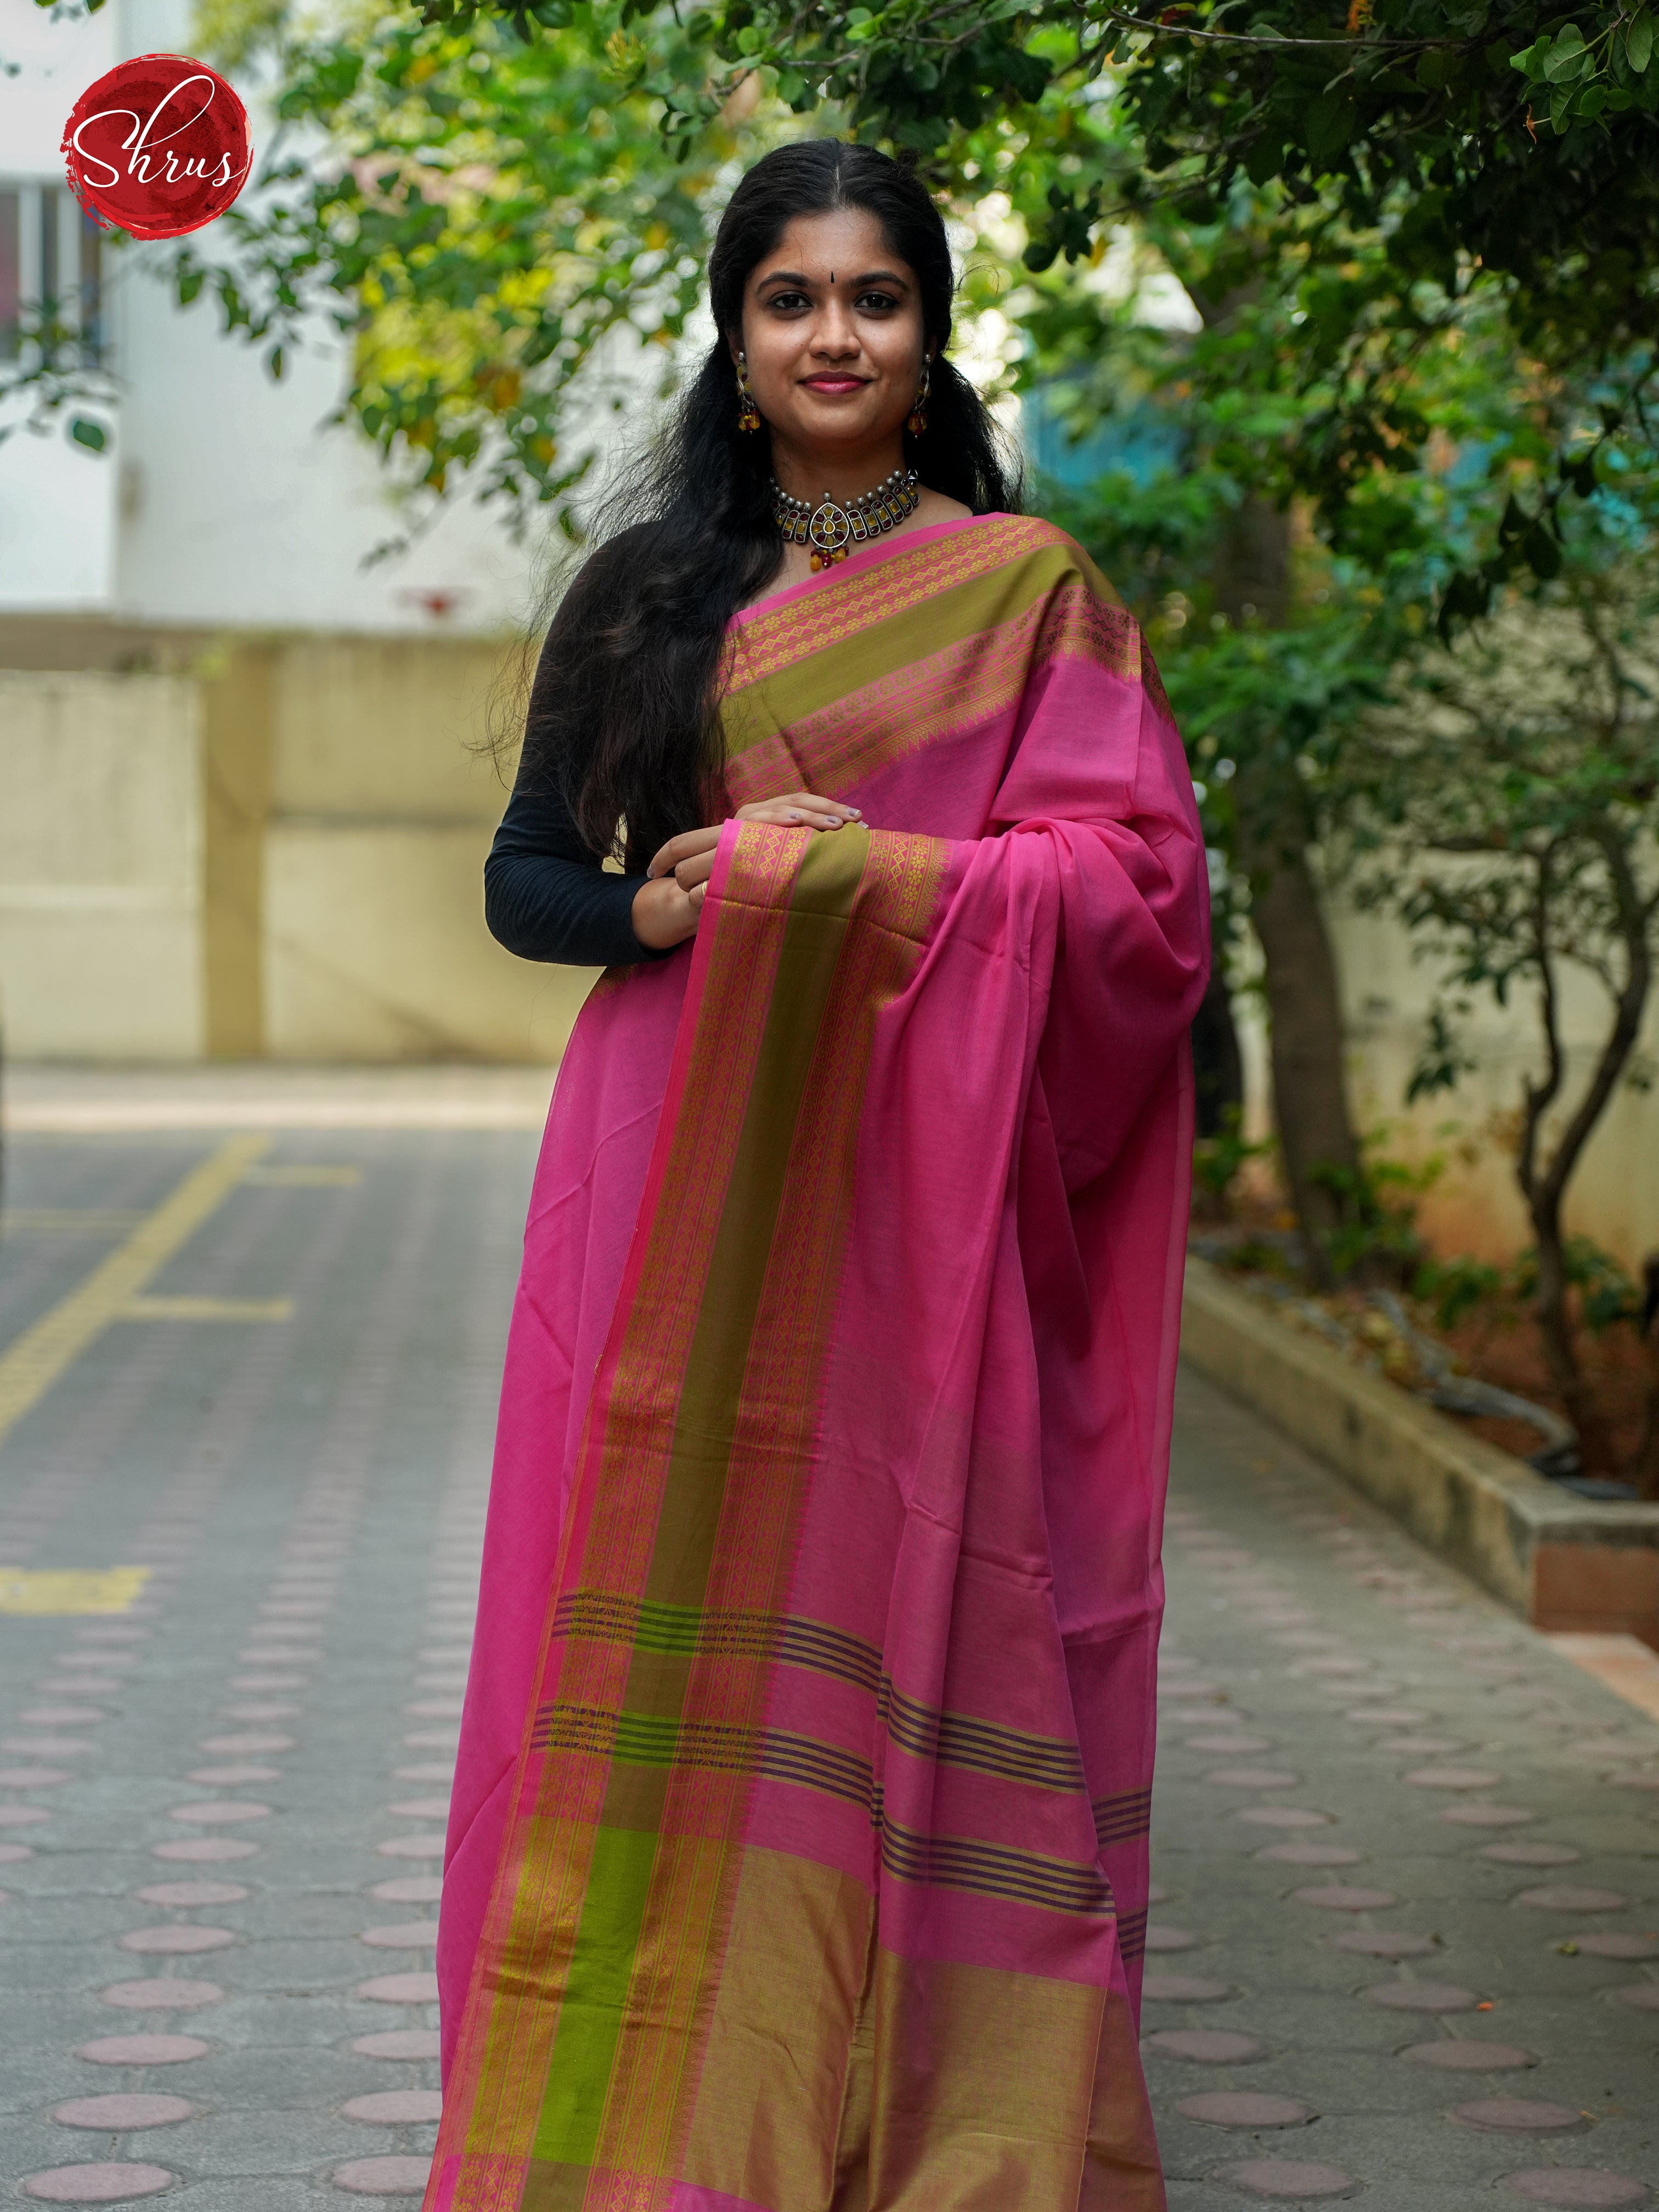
(1264, 699)
(1510, 799)
(1273, 644)
(493, 221)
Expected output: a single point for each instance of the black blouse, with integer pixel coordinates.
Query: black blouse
(546, 896)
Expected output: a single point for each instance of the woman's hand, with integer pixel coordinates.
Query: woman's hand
(667, 904)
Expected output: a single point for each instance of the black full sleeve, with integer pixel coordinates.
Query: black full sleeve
(546, 896)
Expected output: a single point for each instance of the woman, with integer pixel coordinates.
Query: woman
(798, 1851)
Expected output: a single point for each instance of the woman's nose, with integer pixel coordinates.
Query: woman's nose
(833, 331)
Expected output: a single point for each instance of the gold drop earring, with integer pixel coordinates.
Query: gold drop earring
(749, 417)
(917, 421)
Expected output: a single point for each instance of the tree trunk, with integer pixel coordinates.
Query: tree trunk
(1577, 1394)
(1311, 1101)
(1643, 1470)
(1545, 1192)
(1217, 1067)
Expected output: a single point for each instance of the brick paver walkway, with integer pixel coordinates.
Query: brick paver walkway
(1406, 1941)
(1408, 1946)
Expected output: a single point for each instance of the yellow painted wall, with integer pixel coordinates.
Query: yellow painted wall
(376, 949)
(102, 857)
(383, 805)
(385, 728)
(1475, 1206)
(280, 854)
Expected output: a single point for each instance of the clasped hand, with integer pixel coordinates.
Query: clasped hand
(667, 904)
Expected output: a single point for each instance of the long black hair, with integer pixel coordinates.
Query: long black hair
(623, 715)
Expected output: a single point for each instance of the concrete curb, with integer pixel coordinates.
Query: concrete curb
(1561, 1562)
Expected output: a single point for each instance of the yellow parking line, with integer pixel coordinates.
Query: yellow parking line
(199, 1309)
(34, 1362)
(69, 1590)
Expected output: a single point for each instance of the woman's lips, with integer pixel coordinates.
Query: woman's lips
(836, 383)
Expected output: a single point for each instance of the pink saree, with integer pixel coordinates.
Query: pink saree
(798, 1851)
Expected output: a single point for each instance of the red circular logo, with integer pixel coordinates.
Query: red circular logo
(159, 146)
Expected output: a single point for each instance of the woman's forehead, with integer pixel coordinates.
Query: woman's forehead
(848, 241)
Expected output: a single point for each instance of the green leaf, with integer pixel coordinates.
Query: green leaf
(1327, 127)
(1266, 158)
(1638, 42)
(1542, 550)
(1568, 57)
(1466, 599)
(92, 435)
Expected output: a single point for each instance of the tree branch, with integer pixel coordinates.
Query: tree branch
(1627, 1022)
(1540, 1096)
(1158, 30)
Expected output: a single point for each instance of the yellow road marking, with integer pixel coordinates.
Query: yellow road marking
(300, 1177)
(188, 1309)
(34, 1362)
(39, 1590)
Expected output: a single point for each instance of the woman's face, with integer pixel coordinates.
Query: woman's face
(832, 327)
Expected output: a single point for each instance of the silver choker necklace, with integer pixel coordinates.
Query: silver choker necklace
(833, 527)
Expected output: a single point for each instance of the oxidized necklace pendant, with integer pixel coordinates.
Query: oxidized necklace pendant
(829, 529)
(833, 527)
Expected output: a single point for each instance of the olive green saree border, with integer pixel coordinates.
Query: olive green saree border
(602, 1949)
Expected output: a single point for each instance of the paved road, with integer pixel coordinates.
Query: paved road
(1405, 1949)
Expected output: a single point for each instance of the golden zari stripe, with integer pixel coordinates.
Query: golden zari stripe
(774, 639)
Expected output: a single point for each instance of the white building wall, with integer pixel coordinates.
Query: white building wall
(222, 499)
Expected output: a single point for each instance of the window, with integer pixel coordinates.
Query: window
(51, 262)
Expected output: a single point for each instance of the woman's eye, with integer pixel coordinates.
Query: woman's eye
(791, 301)
(877, 302)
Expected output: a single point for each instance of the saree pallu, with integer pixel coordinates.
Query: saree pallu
(798, 1851)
